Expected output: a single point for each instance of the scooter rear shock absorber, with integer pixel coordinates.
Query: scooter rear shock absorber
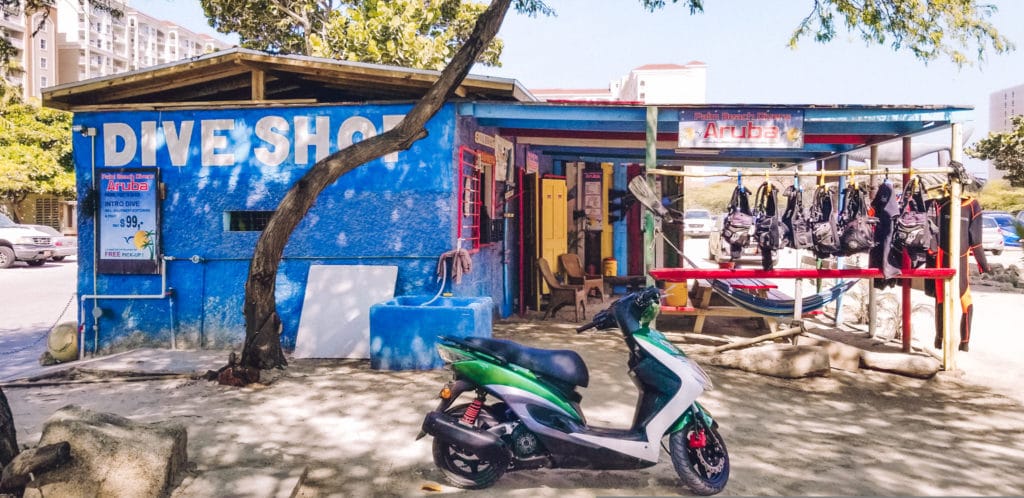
(469, 417)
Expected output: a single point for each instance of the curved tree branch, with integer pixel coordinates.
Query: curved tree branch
(263, 326)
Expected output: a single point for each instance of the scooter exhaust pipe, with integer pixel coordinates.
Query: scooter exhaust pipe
(482, 443)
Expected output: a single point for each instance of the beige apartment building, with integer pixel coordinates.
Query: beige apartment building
(1003, 105)
(81, 39)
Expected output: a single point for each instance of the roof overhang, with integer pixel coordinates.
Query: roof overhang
(607, 132)
(242, 77)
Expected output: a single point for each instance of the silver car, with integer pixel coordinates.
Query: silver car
(718, 250)
(992, 236)
(698, 223)
(66, 245)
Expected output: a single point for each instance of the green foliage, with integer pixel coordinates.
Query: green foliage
(35, 149)
(998, 195)
(1005, 150)
(407, 33)
(713, 197)
(929, 29)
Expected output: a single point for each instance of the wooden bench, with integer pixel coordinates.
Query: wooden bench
(703, 308)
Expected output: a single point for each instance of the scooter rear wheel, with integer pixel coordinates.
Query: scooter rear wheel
(702, 466)
(465, 469)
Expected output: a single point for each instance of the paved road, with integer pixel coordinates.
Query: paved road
(32, 300)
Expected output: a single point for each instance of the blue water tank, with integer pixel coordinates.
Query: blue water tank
(403, 332)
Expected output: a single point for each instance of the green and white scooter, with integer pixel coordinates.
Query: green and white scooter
(525, 412)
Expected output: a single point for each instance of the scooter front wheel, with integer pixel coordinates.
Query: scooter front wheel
(700, 458)
(462, 468)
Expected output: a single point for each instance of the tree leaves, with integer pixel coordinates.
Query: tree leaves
(35, 149)
(1005, 150)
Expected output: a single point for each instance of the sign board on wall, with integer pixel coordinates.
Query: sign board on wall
(761, 128)
(532, 162)
(593, 199)
(128, 221)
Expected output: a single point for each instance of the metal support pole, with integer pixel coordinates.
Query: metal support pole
(905, 305)
(844, 163)
(951, 298)
(872, 292)
(650, 162)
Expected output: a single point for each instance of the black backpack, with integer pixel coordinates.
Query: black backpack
(824, 231)
(856, 228)
(769, 232)
(737, 223)
(798, 226)
(914, 228)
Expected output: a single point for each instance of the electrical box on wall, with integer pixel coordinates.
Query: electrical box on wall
(494, 230)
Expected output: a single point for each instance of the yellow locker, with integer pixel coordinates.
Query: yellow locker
(553, 231)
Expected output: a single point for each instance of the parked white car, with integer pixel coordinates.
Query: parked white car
(19, 243)
(698, 223)
(991, 236)
(66, 245)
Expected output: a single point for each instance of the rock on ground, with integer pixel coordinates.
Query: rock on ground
(111, 456)
(922, 367)
(778, 360)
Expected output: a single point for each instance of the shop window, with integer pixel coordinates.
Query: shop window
(470, 179)
(48, 211)
(246, 221)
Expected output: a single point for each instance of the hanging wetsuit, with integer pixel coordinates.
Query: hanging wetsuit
(886, 209)
(970, 241)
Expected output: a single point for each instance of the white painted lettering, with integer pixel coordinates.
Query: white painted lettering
(148, 143)
(391, 121)
(112, 134)
(178, 141)
(321, 138)
(214, 143)
(274, 131)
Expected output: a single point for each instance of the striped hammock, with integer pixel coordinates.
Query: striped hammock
(779, 307)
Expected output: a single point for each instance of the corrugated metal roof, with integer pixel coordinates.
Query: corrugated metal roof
(241, 76)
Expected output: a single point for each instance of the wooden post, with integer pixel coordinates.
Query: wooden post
(872, 292)
(258, 92)
(754, 340)
(844, 164)
(905, 311)
(650, 162)
(951, 301)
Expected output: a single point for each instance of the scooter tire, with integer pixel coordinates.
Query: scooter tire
(704, 470)
(464, 469)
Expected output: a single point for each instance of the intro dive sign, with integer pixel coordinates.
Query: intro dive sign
(760, 128)
(128, 221)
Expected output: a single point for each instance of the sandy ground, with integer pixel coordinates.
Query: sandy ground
(351, 430)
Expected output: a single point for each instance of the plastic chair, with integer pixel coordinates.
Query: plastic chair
(561, 294)
(576, 276)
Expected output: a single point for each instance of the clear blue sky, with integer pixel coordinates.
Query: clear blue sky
(591, 42)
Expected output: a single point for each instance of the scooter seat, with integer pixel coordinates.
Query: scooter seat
(560, 364)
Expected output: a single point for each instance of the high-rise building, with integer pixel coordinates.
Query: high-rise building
(1003, 105)
(34, 64)
(84, 39)
(95, 42)
(648, 84)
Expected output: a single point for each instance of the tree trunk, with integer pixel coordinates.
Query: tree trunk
(262, 325)
(8, 436)
(34, 461)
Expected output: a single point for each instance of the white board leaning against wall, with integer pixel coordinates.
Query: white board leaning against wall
(335, 320)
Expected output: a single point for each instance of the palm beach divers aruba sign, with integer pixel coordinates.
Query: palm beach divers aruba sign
(750, 128)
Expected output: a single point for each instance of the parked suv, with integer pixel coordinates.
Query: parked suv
(18, 243)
